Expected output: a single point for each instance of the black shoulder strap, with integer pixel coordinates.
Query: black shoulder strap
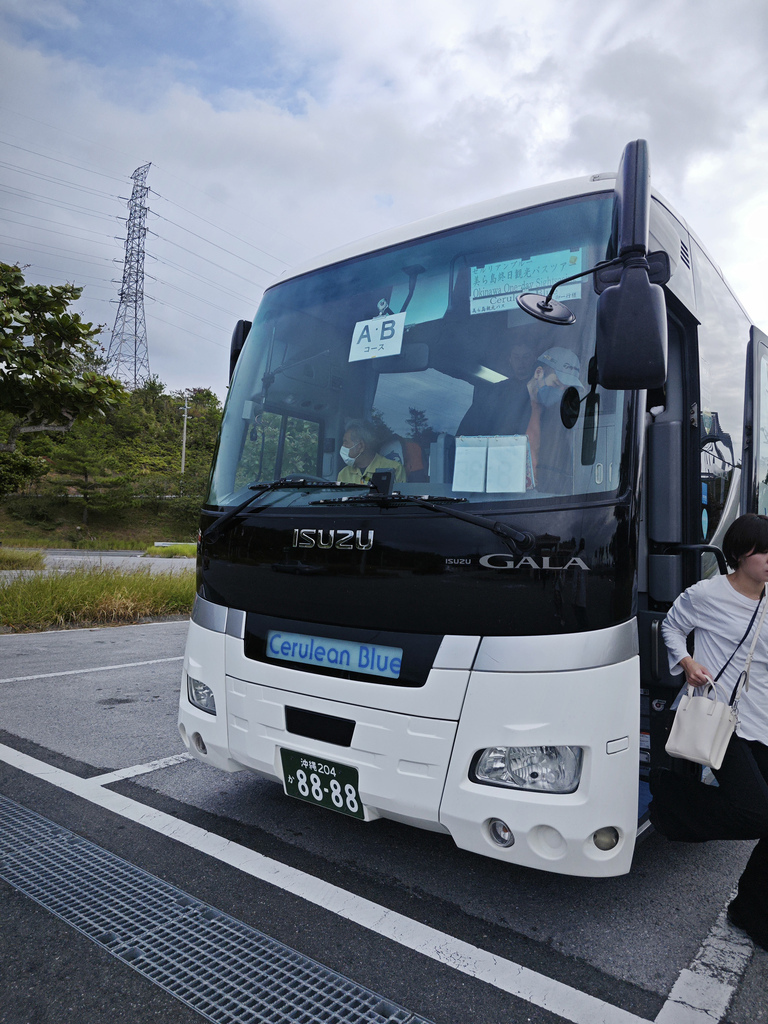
(738, 645)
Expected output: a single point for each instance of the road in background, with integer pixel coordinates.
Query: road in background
(61, 559)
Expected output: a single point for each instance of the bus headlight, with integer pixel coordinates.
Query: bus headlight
(201, 695)
(541, 769)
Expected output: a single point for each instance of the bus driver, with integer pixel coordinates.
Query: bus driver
(360, 456)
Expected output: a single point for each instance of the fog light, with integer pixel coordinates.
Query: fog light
(501, 833)
(606, 838)
(541, 769)
(199, 743)
(201, 695)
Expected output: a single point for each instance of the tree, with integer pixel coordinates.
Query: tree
(17, 470)
(47, 359)
(420, 430)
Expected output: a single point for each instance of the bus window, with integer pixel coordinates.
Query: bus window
(761, 442)
(717, 465)
(276, 446)
(723, 324)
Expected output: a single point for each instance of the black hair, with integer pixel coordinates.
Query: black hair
(745, 535)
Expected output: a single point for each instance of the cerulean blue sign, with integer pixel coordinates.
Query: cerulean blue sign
(370, 659)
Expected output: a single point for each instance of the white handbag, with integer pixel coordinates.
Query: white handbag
(702, 727)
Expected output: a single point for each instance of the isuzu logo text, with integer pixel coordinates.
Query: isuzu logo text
(344, 540)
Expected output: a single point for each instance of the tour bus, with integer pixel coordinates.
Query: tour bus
(561, 406)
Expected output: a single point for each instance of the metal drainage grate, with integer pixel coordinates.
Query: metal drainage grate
(228, 972)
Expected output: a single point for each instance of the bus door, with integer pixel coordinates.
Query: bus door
(670, 531)
(754, 461)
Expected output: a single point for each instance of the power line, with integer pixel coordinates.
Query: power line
(67, 132)
(57, 181)
(46, 220)
(154, 316)
(200, 277)
(205, 259)
(71, 254)
(219, 228)
(61, 204)
(98, 281)
(198, 298)
(186, 312)
(66, 163)
(216, 246)
(53, 231)
(73, 135)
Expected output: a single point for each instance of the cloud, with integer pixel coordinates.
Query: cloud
(281, 128)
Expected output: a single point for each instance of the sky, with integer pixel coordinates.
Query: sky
(279, 129)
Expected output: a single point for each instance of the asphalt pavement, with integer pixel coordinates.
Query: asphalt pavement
(89, 741)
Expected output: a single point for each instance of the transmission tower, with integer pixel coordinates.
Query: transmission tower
(128, 356)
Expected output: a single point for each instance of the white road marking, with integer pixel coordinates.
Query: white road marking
(171, 621)
(704, 990)
(140, 769)
(83, 671)
(701, 993)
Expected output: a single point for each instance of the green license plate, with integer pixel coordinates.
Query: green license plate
(322, 782)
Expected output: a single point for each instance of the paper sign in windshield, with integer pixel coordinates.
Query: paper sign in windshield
(382, 336)
(496, 286)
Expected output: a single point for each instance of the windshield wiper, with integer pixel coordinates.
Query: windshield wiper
(517, 541)
(213, 532)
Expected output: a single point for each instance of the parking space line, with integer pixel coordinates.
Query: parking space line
(140, 769)
(84, 671)
(704, 990)
(701, 993)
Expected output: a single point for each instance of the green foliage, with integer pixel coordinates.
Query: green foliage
(49, 370)
(17, 470)
(75, 434)
(93, 596)
(172, 551)
(11, 558)
(119, 475)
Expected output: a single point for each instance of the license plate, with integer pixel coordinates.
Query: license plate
(321, 782)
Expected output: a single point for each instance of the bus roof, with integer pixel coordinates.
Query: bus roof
(475, 212)
(509, 203)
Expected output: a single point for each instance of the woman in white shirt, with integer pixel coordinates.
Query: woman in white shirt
(722, 611)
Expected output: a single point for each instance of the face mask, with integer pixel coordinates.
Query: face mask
(549, 396)
(348, 459)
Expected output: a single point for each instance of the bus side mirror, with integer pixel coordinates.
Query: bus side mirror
(631, 344)
(240, 333)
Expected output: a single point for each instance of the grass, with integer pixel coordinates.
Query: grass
(93, 596)
(22, 536)
(60, 525)
(173, 551)
(14, 559)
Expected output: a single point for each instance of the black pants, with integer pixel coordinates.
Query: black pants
(737, 808)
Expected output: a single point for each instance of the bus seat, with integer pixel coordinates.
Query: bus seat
(409, 454)
(441, 455)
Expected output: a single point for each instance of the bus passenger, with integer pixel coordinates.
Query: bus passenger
(504, 408)
(723, 611)
(360, 456)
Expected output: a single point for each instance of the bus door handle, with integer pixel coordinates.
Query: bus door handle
(711, 549)
(656, 649)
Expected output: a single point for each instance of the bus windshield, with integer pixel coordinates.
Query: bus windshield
(416, 360)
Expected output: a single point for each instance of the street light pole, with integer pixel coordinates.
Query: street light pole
(184, 434)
